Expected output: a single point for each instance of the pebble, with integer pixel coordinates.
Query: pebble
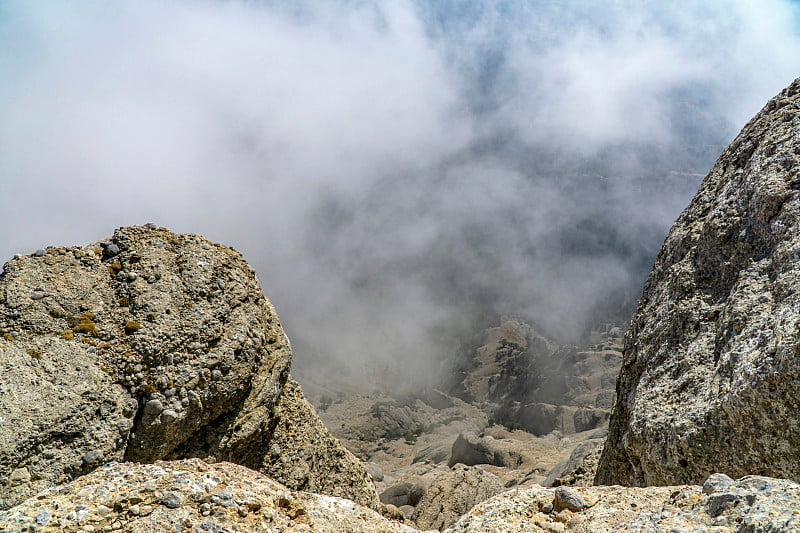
(168, 416)
(42, 518)
(171, 500)
(92, 457)
(150, 225)
(132, 276)
(153, 407)
(568, 498)
(111, 250)
(40, 253)
(717, 483)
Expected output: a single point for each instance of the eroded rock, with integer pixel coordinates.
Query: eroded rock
(185, 358)
(710, 377)
(188, 495)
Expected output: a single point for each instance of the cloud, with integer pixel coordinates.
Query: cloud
(395, 172)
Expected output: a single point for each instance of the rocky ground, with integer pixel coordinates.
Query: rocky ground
(193, 496)
(434, 454)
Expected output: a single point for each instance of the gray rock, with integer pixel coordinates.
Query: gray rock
(78, 382)
(375, 471)
(110, 250)
(568, 498)
(452, 494)
(398, 495)
(168, 416)
(717, 483)
(173, 496)
(751, 504)
(710, 375)
(171, 500)
(92, 458)
(42, 518)
(469, 449)
(580, 468)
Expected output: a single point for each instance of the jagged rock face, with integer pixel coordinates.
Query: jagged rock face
(710, 377)
(188, 495)
(529, 382)
(151, 345)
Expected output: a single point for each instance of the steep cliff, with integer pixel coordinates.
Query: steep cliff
(710, 375)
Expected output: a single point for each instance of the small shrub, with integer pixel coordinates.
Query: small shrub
(132, 326)
(86, 325)
(114, 269)
(67, 335)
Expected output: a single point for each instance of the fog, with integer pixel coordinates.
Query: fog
(398, 173)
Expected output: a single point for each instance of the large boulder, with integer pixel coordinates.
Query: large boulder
(453, 493)
(711, 374)
(188, 495)
(147, 346)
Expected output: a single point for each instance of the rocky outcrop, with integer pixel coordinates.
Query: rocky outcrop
(147, 346)
(452, 494)
(580, 468)
(526, 381)
(710, 376)
(470, 449)
(721, 505)
(188, 495)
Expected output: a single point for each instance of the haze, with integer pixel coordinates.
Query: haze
(397, 173)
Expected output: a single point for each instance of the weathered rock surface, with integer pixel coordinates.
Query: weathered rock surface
(470, 449)
(722, 505)
(191, 495)
(304, 456)
(526, 381)
(710, 377)
(581, 467)
(150, 345)
(452, 494)
(188, 495)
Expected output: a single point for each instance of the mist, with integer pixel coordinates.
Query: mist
(399, 173)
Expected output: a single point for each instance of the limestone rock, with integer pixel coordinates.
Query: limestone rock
(469, 449)
(452, 494)
(304, 456)
(753, 503)
(710, 377)
(150, 345)
(580, 468)
(188, 495)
